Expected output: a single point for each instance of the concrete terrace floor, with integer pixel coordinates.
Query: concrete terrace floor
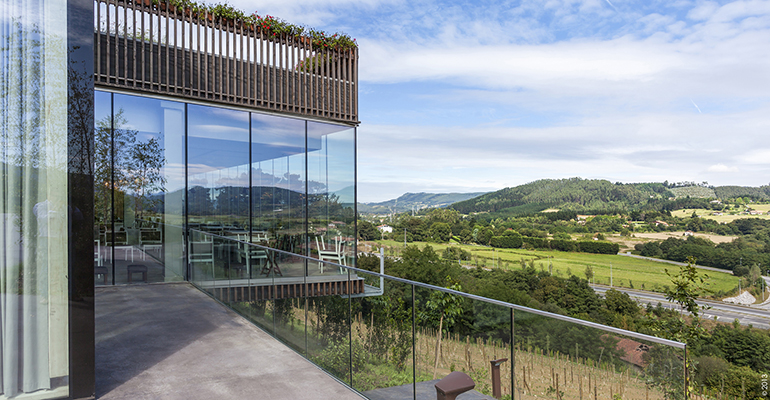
(171, 341)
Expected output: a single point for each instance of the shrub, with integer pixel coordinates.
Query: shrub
(535, 242)
(598, 247)
(506, 241)
(563, 245)
(336, 358)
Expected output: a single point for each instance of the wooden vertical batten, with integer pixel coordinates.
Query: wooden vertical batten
(202, 57)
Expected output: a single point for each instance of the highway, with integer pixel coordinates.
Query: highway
(725, 312)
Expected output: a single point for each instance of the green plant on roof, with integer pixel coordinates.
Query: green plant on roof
(314, 62)
(269, 25)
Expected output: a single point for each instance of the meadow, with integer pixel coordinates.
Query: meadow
(618, 270)
(723, 219)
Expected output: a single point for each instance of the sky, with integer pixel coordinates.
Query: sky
(478, 95)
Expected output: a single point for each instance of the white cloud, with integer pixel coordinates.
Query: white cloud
(722, 168)
(496, 94)
(760, 156)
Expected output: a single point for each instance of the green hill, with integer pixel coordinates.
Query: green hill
(700, 192)
(731, 192)
(572, 194)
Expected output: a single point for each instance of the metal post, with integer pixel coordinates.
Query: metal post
(496, 391)
(382, 269)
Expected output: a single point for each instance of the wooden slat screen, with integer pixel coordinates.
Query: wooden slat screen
(159, 49)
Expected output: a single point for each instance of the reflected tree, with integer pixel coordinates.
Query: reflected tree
(144, 166)
(123, 164)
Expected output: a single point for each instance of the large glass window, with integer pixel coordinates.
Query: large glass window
(139, 189)
(278, 181)
(218, 168)
(218, 188)
(331, 191)
(34, 212)
(161, 165)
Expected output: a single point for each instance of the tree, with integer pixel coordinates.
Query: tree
(367, 230)
(444, 215)
(589, 272)
(620, 303)
(110, 168)
(510, 240)
(447, 307)
(688, 284)
(485, 236)
(440, 232)
(754, 274)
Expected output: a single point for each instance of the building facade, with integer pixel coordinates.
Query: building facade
(126, 126)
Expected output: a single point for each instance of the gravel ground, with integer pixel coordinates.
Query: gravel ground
(744, 298)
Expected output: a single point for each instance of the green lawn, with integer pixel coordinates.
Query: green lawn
(626, 271)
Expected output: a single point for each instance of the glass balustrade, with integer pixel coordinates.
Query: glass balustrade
(387, 337)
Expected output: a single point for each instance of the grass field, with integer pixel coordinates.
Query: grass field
(726, 218)
(626, 271)
(680, 235)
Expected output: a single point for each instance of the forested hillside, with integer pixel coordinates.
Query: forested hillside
(694, 191)
(569, 194)
(732, 192)
(596, 196)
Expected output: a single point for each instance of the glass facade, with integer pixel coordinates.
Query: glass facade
(284, 183)
(139, 187)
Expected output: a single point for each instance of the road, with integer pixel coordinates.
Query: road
(725, 271)
(757, 317)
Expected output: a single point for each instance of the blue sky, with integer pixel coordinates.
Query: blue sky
(465, 96)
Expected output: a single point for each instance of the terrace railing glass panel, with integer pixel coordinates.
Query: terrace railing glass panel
(379, 334)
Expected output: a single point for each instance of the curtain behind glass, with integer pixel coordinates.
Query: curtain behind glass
(33, 190)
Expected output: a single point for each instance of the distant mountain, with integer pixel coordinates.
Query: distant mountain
(578, 194)
(346, 195)
(572, 194)
(415, 201)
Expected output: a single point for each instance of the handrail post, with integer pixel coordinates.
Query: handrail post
(496, 391)
(382, 269)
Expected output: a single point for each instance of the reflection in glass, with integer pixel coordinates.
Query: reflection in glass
(218, 169)
(331, 192)
(278, 181)
(35, 215)
(102, 192)
(138, 189)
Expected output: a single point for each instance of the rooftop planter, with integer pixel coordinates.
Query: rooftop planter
(267, 25)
